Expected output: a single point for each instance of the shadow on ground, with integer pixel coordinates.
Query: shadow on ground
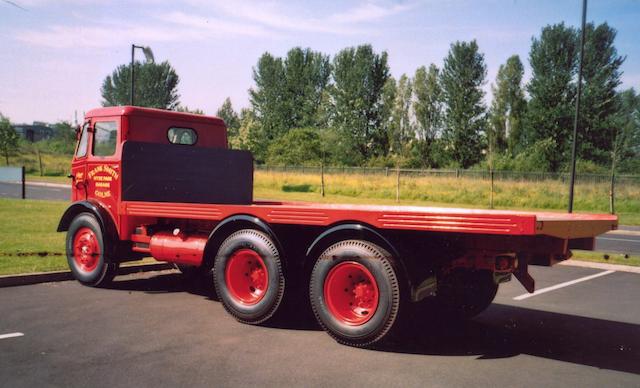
(500, 332)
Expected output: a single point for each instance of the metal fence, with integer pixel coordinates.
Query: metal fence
(524, 176)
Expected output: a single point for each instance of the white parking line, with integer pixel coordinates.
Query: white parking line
(10, 335)
(565, 284)
(618, 239)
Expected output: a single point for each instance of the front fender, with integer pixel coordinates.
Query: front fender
(107, 225)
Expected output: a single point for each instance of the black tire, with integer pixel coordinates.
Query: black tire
(374, 262)
(264, 306)
(463, 294)
(99, 270)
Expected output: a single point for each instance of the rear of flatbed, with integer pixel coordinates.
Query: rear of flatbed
(187, 200)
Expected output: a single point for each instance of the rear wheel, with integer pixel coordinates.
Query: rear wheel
(463, 294)
(355, 292)
(248, 276)
(86, 252)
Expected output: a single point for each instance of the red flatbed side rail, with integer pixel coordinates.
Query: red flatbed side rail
(390, 217)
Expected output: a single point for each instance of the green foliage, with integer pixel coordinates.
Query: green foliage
(155, 84)
(289, 93)
(507, 108)
(8, 138)
(186, 109)
(230, 117)
(359, 77)
(462, 78)
(550, 110)
(299, 146)
(403, 130)
(626, 143)
(601, 73)
(428, 108)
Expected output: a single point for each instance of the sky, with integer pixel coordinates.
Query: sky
(54, 54)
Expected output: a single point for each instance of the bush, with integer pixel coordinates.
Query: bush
(299, 146)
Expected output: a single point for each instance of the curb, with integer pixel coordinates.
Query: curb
(60, 276)
(590, 264)
(47, 184)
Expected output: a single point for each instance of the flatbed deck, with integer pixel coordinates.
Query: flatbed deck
(434, 219)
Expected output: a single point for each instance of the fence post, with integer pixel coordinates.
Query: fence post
(39, 160)
(322, 179)
(23, 184)
(491, 196)
(386, 171)
(457, 173)
(612, 208)
(398, 184)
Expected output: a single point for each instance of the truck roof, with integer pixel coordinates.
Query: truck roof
(152, 112)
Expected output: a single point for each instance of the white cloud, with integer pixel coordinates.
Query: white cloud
(229, 19)
(349, 21)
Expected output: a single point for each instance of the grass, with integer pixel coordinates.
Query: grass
(52, 164)
(28, 238)
(610, 258)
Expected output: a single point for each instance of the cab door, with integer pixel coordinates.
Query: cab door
(103, 163)
(79, 165)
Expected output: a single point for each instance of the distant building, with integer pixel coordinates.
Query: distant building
(34, 132)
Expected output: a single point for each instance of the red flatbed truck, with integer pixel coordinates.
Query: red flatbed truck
(149, 182)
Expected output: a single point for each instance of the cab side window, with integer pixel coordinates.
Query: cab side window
(83, 142)
(104, 140)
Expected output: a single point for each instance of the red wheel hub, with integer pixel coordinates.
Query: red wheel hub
(86, 250)
(351, 293)
(246, 276)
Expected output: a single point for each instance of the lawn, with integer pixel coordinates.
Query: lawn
(28, 238)
(29, 241)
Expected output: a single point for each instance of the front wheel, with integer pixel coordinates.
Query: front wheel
(355, 292)
(85, 248)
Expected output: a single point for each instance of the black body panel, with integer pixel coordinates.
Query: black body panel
(178, 173)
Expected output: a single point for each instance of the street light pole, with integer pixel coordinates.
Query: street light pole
(149, 57)
(133, 47)
(575, 121)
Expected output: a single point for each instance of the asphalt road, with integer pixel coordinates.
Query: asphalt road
(14, 190)
(156, 330)
(622, 243)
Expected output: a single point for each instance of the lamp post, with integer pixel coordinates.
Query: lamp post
(575, 121)
(148, 54)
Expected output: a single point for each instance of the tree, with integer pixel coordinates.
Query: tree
(299, 146)
(401, 116)
(507, 108)
(550, 110)
(625, 152)
(359, 77)
(428, 107)
(186, 109)
(8, 138)
(307, 74)
(601, 72)
(289, 93)
(462, 78)
(230, 117)
(155, 84)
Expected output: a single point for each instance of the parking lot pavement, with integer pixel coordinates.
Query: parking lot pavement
(156, 330)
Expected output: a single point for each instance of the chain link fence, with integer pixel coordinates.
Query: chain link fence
(521, 176)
